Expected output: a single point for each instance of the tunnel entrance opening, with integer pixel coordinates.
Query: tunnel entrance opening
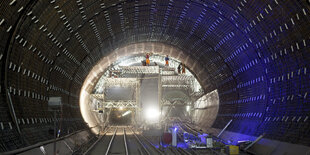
(130, 83)
(157, 92)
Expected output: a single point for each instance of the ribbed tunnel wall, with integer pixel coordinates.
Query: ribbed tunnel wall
(256, 53)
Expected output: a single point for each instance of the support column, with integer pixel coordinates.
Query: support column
(138, 104)
(160, 92)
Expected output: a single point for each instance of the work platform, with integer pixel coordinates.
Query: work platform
(139, 69)
(167, 79)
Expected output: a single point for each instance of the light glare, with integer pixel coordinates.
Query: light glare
(152, 114)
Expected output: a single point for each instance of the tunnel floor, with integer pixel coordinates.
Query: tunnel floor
(131, 140)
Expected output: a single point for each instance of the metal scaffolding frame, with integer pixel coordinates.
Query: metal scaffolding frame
(139, 69)
(119, 104)
(168, 71)
(183, 104)
(120, 82)
(98, 96)
(178, 81)
(177, 86)
(168, 68)
(172, 80)
(175, 103)
(183, 79)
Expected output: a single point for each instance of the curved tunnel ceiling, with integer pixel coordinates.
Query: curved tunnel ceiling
(256, 53)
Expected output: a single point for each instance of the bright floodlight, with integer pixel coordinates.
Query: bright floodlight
(152, 114)
(188, 108)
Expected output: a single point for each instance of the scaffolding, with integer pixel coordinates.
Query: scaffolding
(178, 81)
(175, 103)
(177, 86)
(184, 79)
(119, 104)
(98, 96)
(168, 68)
(167, 79)
(139, 69)
(120, 82)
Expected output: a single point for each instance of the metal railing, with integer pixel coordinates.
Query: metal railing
(37, 145)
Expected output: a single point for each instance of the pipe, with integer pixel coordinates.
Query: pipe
(224, 129)
(258, 139)
(13, 112)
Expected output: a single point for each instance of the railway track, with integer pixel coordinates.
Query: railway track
(106, 143)
(147, 147)
(122, 140)
(127, 140)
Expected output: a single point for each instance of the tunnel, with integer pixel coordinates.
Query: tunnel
(248, 60)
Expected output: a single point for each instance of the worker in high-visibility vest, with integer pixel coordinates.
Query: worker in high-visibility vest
(167, 60)
(183, 68)
(179, 69)
(147, 59)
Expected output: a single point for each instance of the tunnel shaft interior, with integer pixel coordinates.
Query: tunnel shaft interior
(251, 56)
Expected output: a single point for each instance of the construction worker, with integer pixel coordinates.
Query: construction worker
(183, 68)
(143, 63)
(167, 60)
(179, 69)
(147, 59)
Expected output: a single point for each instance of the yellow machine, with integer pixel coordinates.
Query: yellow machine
(233, 149)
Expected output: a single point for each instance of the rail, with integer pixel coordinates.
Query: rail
(183, 151)
(193, 131)
(125, 142)
(174, 151)
(96, 142)
(151, 144)
(137, 138)
(111, 141)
